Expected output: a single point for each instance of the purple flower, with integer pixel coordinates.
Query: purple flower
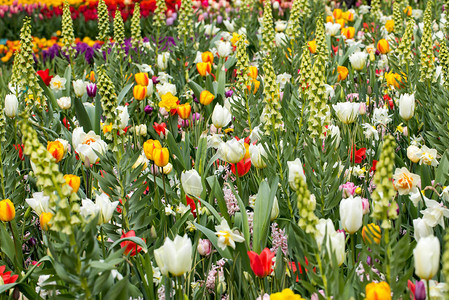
(148, 109)
(196, 117)
(420, 290)
(229, 93)
(91, 89)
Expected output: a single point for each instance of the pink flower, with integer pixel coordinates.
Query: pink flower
(348, 189)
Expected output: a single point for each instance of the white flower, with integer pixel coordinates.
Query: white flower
(347, 112)
(198, 57)
(39, 203)
(335, 240)
(417, 13)
(162, 60)
(280, 25)
(283, 79)
(427, 257)
(191, 183)
(57, 83)
(165, 88)
(103, 207)
(434, 213)
(416, 196)
(404, 181)
(232, 151)
(428, 156)
(224, 49)
(182, 209)
(380, 116)
(351, 214)
(414, 153)
(358, 60)
(221, 116)
(123, 116)
(214, 140)
(226, 237)
(79, 86)
(280, 39)
(11, 105)
(370, 131)
(295, 169)
(163, 77)
(437, 290)
(141, 130)
(407, 106)
(364, 9)
(421, 229)
(334, 132)
(175, 256)
(64, 102)
(257, 154)
(230, 26)
(329, 90)
(150, 88)
(85, 144)
(210, 29)
(332, 29)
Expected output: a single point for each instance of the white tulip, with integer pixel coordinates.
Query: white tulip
(332, 29)
(407, 106)
(421, 229)
(335, 240)
(150, 88)
(221, 116)
(414, 153)
(64, 102)
(39, 203)
(79, 86)
(257, 154)
(351, 214)
(165, 88)
(175, 256)
(230, 26)
(427, 257)
(123, 116)
(141, 130)
(347, 112)
(280, 26)
(295, 169)
(232, 151)
(162, 60)
(358, 60)
(224, 49)
(11, 106)
(191, 183)
(274, 209)
(103, 207)
(210, 29)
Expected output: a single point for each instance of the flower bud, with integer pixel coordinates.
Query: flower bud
(7, 210)
(142, 79)
(221, 116)
(149, 146)
(44, 220)
(383, 46)
(11, 106)
(73, 181)
(56, 149)
(161, 156)
(203, 68)
(427, 257)
(191, 183)
(414, 153)
(167, 169)
(351, 214)
(204, 247)
(184, 110)
(139, 92)
(206, 97)
(91, 89)
(407, 106)
(64, 102)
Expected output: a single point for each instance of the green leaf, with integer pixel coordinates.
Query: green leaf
(123, 93)
(82, 116)
(174, 149)
(7, 244)
(196, 88)
(134, 239)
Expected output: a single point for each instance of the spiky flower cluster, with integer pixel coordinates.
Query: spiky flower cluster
(426, 47)
(108, 100)
(23, 73)
(2, 125)
(103, 22)
(271, 116)
(376, 8)
(445, 260)
(68, 37)
(185, 26)
(242, 64)
(50, 180)
(245, 7)
(397, 18)
(136, 35)
(294, 21)
(321, 44)
(444, 62)
(305, 69)
(404, 49)
(383, 209)
(306, 205)
(119, 31)
(267, 27)
(159, 13)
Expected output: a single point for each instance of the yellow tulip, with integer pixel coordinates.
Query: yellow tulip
(341, 22)
(184, 110)
(44, 220)
(206, 97)
(73, 181)
(56, 150)
(383, 46)
(342, 73)
(348, 16)
(207, 57)
(371, 232)
(337, 13)
(149, 146)
(375, 291)
(203, 68)
(142, 79)
(7, 210)
(408, 11)
(389, 25)
(312, 46)
(139, 92)
(348, 32)
(161, 156)
(329, 19)
(286, 294)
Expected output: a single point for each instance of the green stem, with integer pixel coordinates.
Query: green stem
(2, 176)
(387, 241)
(323, 276)
(353, 250)
(102, 242)
(428, 289)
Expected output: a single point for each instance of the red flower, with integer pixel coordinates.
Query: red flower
(373, 168)
(160, 128)
(191, 203)
(19, 147)
(243, 167)
(131, 247)
(46, 78)
(389, 100)
(6, 277)
(262, 264)
(292, 266)
(359, 154)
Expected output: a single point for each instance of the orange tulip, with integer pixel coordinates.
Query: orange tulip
(393, 79)
(139, 92)
(348, 32)
(7, 210)
(383, 46)
(142, 79)
(56, 149)
(203, 68)
(348, 16)
(329, 19)
(161, 156)
(337, 13)
(91, 76)
(408, 11)
(207, 57)
(44, 220)
(341, 22)
(389, 25)
(370, 233)
(206, 97)
(73, 181)
(256, 85)
(312, 46)
(149, 146)
(375, 291)
(252, 72)
(184, 110)
(342, 73)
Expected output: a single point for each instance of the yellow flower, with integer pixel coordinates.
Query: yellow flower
(371, 232)
(375, 291)
(168, 101)
(7, 210)
(161, 156)
(348, 32)
(107, 128)
(342, 73)
(393, 79)
(348, 16)
(408, 11)
(312, 46)
(252, 72)
(56, 149)
(389, 25)
(235, 38)
(73, 181)
(207, 57)
(184, 110)
(142, 79)
(149, 146)
(44, 220)
(206, 97)
(383, 46)
(139, 92)
(286, 294)
(337, 13)
(203, 68)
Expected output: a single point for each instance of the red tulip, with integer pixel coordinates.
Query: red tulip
(243, 167)
(19, 147)
(130, 246)
(262, 264)
(373, 168)
(160, 128)
(6, 277)
(359, 154)
(44, 74)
